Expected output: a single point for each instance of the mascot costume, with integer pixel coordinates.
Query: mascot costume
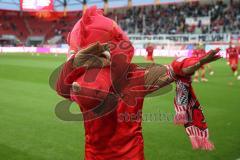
(101, 79)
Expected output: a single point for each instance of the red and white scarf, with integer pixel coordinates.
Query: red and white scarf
(189, 113)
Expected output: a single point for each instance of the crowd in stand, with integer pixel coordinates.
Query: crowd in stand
(147, 20)
(172, 19)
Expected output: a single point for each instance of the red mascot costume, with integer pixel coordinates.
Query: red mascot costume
(100, 78)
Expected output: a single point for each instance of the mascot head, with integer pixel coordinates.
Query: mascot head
(95, 27)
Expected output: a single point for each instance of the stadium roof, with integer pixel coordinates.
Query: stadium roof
(77, 4)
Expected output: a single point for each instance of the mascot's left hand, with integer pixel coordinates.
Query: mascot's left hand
(185, 67)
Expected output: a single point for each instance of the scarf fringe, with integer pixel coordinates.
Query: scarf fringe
(201, 143)
(199, 138)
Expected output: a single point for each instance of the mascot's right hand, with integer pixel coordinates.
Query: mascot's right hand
(94, 56)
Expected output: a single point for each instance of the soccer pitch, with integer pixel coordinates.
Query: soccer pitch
(30, 130)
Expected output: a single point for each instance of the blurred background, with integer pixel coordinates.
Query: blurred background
(33, 44)
(168, 24)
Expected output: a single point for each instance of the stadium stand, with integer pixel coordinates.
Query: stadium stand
(171, 19)
(168, 19)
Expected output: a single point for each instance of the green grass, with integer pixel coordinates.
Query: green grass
(29, 129)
